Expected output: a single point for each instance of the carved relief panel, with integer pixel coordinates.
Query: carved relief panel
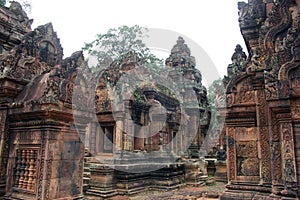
(288, 154)
(242, 93)
(243, 156)
(247, 160)
(245, 92)
(295, 109)
(4, 143)
(102, 100)
(295, 82)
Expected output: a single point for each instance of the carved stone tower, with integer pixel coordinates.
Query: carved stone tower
(262, 114)
(194, 93)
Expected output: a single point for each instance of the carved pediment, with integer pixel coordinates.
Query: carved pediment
(39, 51)
(43, 44)
(57, 84)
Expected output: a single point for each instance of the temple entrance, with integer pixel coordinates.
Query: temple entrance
(108, 139)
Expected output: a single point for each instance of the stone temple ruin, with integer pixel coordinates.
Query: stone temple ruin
(53, 148)
(62, 141)
(261, 111)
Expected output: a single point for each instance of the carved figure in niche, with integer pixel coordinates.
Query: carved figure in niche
(238, 60)
(270, 89)
(52, 92)
(296, 49)
(245, 96)
(289, 170)
(213, 152)
(295, 109)
(256, 63)
(221, 154)
(286, 136)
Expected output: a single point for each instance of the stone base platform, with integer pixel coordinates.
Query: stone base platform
(129, 178)
(252, 192)
(221, 171)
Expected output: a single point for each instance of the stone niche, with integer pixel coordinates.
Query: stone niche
(262, 104)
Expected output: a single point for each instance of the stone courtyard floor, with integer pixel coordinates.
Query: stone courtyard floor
(185, 193)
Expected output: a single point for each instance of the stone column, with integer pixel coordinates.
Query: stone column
(128, 127)
(119, 116)
(263, 137)
(3, 149)
(139, 139)
(288, 158)
(9, 90)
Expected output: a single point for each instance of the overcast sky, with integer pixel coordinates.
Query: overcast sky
(213, 25)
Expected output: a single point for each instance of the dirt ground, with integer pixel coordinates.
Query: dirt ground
(185, 193)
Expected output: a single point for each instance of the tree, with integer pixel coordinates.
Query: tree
(216, 88)
(213, 91)
(26, 5)
(117, 42)
(2, 2)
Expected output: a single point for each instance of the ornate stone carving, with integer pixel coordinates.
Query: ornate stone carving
(251, 14)
(238, 64)
(230, 133)
(25, 169)
(14, 25)
(288, 153)
(271, 32)
(4, 142)
(250, 167)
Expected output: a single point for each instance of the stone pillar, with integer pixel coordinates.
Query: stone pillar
(128, 127)
(288, 158)
(119, 116)
(139, 139)
(4, 144)
(221, 171)
(263, 137)
(192, 134)
(9, 90)
(155, 142)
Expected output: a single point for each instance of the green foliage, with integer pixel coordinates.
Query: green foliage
(165, 90)
(138, 95)
(213, 90)
(2, 2)
(117, 42)
(26, 5)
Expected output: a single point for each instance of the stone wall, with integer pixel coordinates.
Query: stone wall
(41, 154)
(261, 119)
